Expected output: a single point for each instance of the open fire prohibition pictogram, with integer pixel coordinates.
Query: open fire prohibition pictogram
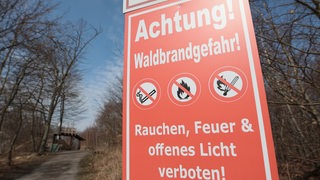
(228, 84)
(184, 89)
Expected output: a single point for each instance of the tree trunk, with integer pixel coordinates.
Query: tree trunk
(9, 157)
(47, 125)
(61, 113)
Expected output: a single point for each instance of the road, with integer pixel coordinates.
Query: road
(63, 166)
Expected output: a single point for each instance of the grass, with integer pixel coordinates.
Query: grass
(86, 171)
(103, 163)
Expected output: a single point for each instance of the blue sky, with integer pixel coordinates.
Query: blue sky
(101, 62)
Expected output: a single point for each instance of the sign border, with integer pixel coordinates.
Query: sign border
(254, 79)
(128, 8)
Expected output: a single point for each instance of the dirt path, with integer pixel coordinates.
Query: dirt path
(62, 166)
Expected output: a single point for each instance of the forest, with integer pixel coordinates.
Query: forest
(39, 74)
(40, 81)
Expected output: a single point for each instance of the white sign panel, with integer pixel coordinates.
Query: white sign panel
(130, 5)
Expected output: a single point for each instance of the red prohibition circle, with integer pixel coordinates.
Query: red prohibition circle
(228, 84)
(146, 94)
(184, 89)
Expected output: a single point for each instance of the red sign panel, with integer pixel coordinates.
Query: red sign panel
(194, 100)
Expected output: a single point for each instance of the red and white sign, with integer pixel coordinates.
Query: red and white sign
(194, 98)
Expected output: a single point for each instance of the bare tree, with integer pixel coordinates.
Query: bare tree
(109, 119)
(64, 60)
(21, 23)
(39, 58)
(289, 43)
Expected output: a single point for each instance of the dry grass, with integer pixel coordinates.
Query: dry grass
(103, 163)
(22, 165)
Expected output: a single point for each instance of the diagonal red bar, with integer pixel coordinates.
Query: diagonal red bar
(184, 89)
(228, 84)
(146, 93)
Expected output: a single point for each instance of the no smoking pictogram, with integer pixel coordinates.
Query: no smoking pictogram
(184, 89)
(228, 84)
(146, 93)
